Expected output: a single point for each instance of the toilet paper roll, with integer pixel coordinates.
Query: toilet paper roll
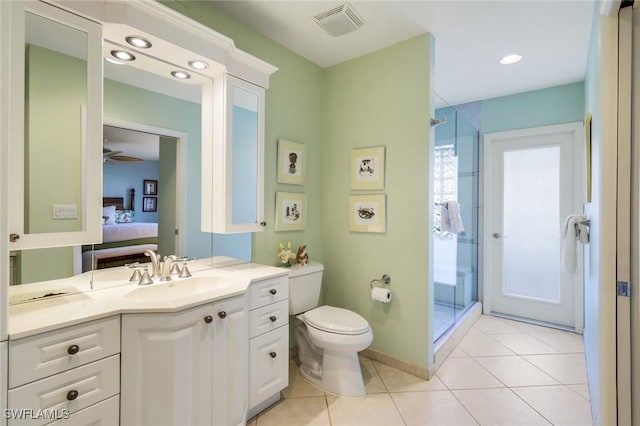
(379, 294)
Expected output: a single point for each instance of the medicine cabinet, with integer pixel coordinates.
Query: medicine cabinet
(55, 140)
(233, 168)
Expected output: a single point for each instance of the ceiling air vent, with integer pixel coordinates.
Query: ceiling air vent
(339, 20)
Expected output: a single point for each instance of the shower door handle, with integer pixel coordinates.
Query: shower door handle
(497, 235)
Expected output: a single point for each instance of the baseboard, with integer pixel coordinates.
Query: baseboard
(407, 367)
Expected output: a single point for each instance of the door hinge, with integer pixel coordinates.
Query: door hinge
(624, 288)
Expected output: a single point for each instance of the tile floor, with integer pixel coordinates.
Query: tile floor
(501, 373)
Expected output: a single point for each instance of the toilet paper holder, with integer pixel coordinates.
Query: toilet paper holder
(385, 279)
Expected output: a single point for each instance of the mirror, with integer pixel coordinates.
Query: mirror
(138, 100)
(244, 180)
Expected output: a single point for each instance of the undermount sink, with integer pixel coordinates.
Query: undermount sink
(179, 288)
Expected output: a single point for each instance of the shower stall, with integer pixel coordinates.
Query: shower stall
(455, 188)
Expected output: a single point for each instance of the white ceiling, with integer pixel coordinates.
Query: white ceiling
(132, 143)
(471, 37)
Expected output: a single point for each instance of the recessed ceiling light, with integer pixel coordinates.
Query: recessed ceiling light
(122, 55)
(180, 74)
(198, 65)
(113, 61)
(510, 59)
(138, 41)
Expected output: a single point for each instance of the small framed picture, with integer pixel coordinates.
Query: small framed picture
(291, 211)
(367, 168)
(149, 204)
(292, 162)
(367, 213)
(150, 187)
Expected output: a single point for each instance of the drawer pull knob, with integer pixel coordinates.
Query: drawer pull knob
(72, 394)
(14, 238)
(263, 223)
(73, 349)
(273, 318)
(222, 314)
(273, 354)
(273, 291)
(208, 319)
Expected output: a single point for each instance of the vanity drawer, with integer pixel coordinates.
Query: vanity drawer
(268, 318)
(42, 355)
(268, 291)
(72, 390)
(105, 413)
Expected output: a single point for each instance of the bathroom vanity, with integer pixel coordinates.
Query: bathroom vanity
(93, 348)
(205, 350)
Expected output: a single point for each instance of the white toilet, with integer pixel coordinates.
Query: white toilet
(328, 338)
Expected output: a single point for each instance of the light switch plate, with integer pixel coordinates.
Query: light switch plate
(65, 211)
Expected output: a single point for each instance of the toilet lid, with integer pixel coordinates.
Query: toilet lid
(336, 320)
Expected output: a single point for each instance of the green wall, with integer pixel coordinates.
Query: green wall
(293, 112)
(383, 98)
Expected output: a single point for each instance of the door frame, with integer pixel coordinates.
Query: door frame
(579, 199)
(180, 243)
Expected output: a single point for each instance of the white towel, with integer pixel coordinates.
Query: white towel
(572, 231)
(450, 218)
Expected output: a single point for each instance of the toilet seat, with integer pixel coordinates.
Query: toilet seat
(336, 320)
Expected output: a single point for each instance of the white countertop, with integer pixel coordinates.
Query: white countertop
(205, 286)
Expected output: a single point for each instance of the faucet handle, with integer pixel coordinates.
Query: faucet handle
(184, 273)
(175, 270)
(145, 279)
(136, 276)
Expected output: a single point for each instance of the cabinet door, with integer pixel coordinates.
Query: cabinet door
(55, 140)
(4, 369)
(233, 168)
(269, 365)
(167, 368)
(230, 362)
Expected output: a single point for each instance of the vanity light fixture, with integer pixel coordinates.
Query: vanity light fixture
(198, 65)
(138, 41)
(181, 75)
(122, 55)
(510, 59)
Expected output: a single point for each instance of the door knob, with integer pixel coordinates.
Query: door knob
(496, 235)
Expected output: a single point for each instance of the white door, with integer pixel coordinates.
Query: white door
(533, 182)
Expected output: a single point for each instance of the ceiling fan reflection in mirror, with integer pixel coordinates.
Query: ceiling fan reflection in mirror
(110, 156)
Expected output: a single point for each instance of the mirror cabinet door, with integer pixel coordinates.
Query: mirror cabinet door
(238, 186)
(56, 140)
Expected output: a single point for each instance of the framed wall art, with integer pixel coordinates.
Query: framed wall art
(292, 162)
(149, 204)
(367, 168)
(291, 211)
(150, 187)
(367, 213)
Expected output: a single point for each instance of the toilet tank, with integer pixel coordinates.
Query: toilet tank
(304, 287)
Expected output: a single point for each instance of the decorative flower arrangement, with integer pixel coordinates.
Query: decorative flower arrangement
(285, 254)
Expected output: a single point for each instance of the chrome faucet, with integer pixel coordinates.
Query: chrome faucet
(155, 262)
(166, 267)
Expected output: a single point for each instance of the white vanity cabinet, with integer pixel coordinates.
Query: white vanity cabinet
(4, 365)
(185, 368)
(71, 375)
(269, 342)
(233, 165)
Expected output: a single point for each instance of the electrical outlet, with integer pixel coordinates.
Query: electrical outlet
(65, 211)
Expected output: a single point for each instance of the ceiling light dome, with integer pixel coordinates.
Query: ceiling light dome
(138, 41)
(510, 59)
(181, 75)
(122, 55)
(198, 65)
